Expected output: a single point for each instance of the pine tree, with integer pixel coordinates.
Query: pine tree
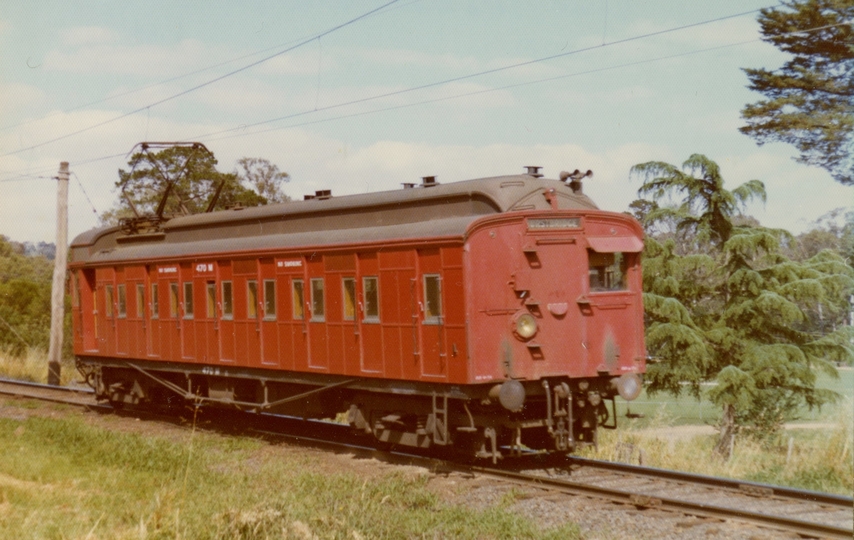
(810, 100)
(732, 309)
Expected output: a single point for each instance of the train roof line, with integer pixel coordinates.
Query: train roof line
(486, 196)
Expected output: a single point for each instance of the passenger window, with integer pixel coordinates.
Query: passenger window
(252, 299)
(123, 302)
(349, 299)
(140, 300)
(317, 311)
(227, 305)
(432, 298)
(155, 302)
(211, 300)
(173, 300)
(269, 299)
(188, 300)
(607, 271)
(108, 300)
(370, 286)
(299, 299)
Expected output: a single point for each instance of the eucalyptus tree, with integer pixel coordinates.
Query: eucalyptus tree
(731, 309)
(187, 175)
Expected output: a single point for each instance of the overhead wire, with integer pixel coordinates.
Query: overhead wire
(175, 78)
(477, 74)
(202, 85)
(479, 92)
(210, 136)
(506, 87)
(79, 183)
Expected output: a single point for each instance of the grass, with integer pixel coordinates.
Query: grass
(63, 478)
(32, 367)
(686, 410)
(817, 458)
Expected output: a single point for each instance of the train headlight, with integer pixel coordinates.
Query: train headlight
(524, 325)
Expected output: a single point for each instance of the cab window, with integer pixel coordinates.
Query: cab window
(607, 271)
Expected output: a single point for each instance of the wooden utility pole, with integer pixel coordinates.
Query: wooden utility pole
(57, 297)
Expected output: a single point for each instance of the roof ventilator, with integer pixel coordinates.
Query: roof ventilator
(575, 177)
(428, 181)
(534, 171)
(320, 194)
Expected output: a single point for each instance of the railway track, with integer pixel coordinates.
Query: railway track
(807, 513)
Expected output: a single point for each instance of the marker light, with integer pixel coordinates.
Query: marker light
(524, 325)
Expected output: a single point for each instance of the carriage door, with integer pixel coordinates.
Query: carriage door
(550, 278)
(105, 303)
(121, 314)
(269, 314)
(154, 344)
(342, 325)
(614, 284)
(247, 312)
(188, 312)
(170, 320)
(318, 357)
(206, 320)
(292, 313)
(136, 318)
(432, 314)
(225, 308)
(87, 303)
(371, 333)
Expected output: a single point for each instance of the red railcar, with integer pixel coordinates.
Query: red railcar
(482, 313)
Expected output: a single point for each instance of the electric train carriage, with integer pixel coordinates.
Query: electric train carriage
(484, 315)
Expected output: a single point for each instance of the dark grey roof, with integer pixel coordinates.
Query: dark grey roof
(439, 210)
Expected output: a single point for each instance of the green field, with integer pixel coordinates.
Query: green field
(686, 410)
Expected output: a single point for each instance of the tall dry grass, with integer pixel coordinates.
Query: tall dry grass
(32, 367)
(815, 456)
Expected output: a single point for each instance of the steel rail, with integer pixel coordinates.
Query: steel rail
(742, 486)
(338, 443)
(28, 384)
(808, 528)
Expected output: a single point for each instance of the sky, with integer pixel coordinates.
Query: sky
(356, 97)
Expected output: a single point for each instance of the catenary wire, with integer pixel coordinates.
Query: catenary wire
(509, 86)
(79, 183)
(207, 137)
(199, 86)
(179, 77)
(473, 75)
(480, 92)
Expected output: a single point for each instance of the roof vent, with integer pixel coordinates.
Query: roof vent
(429, 181)
(323, 194)
(307, 197)
(408, 185)
(534, 171)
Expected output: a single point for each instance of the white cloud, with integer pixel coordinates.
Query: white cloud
(88, 35)
(14, 96)
(317, 162)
